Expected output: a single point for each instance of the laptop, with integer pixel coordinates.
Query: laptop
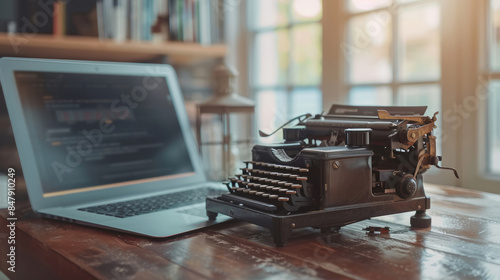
(107, 145)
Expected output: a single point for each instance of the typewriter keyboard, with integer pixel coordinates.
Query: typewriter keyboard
(285, 187)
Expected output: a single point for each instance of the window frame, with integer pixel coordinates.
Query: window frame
(288, 87)
(462, 74)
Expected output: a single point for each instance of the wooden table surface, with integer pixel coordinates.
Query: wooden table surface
(463, 243)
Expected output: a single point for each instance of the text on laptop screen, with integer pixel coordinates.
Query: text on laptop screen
(95, 131)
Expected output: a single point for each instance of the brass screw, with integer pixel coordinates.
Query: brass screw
(336, 165)
(413, 135)
(293, 225)
(419, 207)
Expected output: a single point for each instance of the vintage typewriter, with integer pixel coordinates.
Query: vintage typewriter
(351, 164)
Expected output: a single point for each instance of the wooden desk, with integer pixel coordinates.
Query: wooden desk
(463, 243)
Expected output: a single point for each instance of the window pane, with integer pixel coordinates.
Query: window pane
(495, 32)
(366, 5)
(419, 46)
(269, 13)
(306, 10)
(424, 95)
(271, 113)
(306, 101)
(370, 96)
(271, 57)
(368, 49)
(494, 128)
(306, 54)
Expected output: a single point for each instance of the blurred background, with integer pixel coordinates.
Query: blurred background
(295, 57)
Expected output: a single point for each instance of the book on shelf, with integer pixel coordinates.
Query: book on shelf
(197, 21)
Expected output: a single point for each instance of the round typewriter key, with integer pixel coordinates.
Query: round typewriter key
(240, 189)
(288, 184)
(275, 181)
(276, 189)
(265, 195)
(255, 185)
(269, 180)
(258, 163)
(283, 199)
(273, 196)
(303, 170)
(273, 173)
(289, 168)
(263, 186)
(250, 184)
(302, 178)
(296, 186)
(283, 190)
(269, 188)
(259, 193)
(291, 192)
(246, 190)
(252, 192)
(293, 176)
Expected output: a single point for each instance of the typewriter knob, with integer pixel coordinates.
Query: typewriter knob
(407, 186)
(357, 137)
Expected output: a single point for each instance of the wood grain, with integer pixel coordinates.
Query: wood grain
(89, 48)
(463, 243)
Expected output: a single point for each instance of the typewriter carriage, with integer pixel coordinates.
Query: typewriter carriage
(368, 163)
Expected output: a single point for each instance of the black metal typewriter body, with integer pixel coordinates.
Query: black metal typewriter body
(351, 164)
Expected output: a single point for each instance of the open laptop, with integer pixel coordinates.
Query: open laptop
(107, 144)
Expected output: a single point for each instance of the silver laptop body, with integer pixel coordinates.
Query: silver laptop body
(98, 133)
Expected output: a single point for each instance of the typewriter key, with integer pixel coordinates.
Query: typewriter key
(252, 192)
(283, 199)
(301, 178)
(291, 192)
(296, 186)
(259, 193)
(265, 195)
(276, 189)
(273, 196)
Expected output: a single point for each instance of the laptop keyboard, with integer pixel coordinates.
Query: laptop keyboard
(153, 204)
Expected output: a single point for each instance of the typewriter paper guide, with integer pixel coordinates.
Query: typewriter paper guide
(372, 111)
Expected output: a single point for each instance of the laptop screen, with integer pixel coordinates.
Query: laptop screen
(92, 131)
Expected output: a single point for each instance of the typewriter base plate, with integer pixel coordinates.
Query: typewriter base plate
(281, 226)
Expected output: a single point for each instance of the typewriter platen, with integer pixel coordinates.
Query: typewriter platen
(351, 164)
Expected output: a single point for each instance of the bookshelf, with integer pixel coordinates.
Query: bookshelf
(91, 48)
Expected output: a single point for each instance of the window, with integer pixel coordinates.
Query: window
(285, 60)
(492, 74)
(392, 53)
